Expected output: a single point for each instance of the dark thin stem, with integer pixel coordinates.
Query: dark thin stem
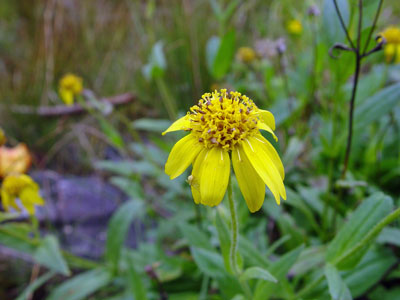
(353, 93)
(285, 81)
(373, 26)
(342, 24)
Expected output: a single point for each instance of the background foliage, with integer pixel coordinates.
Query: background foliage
(333, 237)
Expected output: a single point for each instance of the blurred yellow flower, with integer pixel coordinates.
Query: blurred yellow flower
(224, 127)
(15, 160)
(246, 54)
(69, 87)
(392, 47)
(23, 187)
(2, 137)
(294, 27)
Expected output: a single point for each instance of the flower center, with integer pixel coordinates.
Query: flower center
(223, 120)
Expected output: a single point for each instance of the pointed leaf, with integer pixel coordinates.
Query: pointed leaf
(337, 287)
(258, 273)
(49, 254)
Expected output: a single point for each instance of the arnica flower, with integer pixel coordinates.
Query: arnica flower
(392, 47)
(294, 27)
(69, 87)
(246, 55)
(16, 160)
(224, 127)
(23, 187)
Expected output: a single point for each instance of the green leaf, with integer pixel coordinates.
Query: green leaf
(389, 235)
(16, 236)
(118, 229)
(82, 285)
(157, 64)
(49, 254)
(35, 285)
(135, 282)
(337, 287)
(125, 167)
(369, 271)
(376, 106)
(367, 215)
(230, 9)
(279, 270)
(363, 245)
(209, 262)
(259, 273)
(195, 237)
(211, 51)
(224, 240)
(224, 56)
(152, 125)
(111, 133)
(251, 254)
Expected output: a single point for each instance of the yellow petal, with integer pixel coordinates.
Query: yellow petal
(268, 118)
(265, 168)
(182, 155)
(67, 96)
(250, 183)
(272, 154)
(8, 200)
(263, 126)
(31, 195)
(214, 176)
(196, 172)
(180, 124)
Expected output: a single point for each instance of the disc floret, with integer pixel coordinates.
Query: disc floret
(222, 119)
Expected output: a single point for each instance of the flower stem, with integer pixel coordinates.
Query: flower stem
(234, 242)
(358, 57)
(234, 239)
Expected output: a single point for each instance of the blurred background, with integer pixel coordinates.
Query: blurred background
(141, 65)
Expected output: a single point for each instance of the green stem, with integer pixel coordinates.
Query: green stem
(234, 239)
(234, 242)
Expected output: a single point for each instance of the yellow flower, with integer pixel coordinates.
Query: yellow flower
(294, 27)
(392, 47)
(23, 187)
(2, 137)
(69, 87)
(391, 35)
(224, 127)
(246, 54)
(15, 160)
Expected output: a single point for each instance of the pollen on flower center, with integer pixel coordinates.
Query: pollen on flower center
(223, 120)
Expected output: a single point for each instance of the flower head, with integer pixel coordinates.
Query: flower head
(294, 27)
(23, 187)
(69, 87)
(392, 47)
(224, 127)
(246, 54)
(16, 160)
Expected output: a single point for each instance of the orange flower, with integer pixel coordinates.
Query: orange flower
(15, 160)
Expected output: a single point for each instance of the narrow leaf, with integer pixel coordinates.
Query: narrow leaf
(367, 215)
(259, 273)
(337, 287)
(118, 229)
(82, 285)
(224, 56)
